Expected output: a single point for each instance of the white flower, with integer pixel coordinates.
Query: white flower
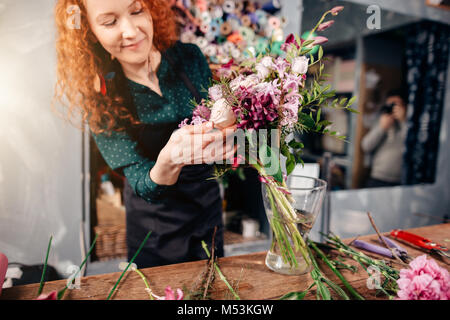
(300, 65)
(262, 71)
(250, 81)
(222, 114)
(215, 92)
(267, 62)
(244, 81)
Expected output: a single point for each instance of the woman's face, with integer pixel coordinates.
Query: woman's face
(123, 27)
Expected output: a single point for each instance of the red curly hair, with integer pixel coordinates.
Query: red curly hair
(80, 58)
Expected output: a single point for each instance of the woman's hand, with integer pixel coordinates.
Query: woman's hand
(192, 144)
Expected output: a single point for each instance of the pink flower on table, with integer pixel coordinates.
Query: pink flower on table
(325, 25)
(170, 294)
(424, 280)
(49, 296)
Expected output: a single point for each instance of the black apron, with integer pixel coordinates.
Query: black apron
(186, 212)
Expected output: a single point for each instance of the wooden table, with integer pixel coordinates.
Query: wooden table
(256, 281)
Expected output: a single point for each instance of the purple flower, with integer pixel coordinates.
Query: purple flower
(289, 111)
(183, 123)
(202, 112)
(257, 109)
(281, 65)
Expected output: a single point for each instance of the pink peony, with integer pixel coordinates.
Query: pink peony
(424, 280)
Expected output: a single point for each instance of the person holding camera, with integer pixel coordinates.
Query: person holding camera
(386, 141)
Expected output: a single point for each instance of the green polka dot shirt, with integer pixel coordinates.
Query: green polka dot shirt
(120, 151)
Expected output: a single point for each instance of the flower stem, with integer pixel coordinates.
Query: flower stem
(222, 277)
(139, 272)
(62, 291)
(336, 272)
(41, 284)
(129, 263)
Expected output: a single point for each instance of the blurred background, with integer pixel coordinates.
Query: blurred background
(388, 54)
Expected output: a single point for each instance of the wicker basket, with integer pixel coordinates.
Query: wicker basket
(111, 230)
(111, 242)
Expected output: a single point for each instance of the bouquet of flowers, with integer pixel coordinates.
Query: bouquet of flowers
(274, 97)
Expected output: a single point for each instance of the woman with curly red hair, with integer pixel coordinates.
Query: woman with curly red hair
(121, 67)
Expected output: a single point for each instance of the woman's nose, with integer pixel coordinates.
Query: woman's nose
(128, 29)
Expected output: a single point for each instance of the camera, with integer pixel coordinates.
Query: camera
(387, 108)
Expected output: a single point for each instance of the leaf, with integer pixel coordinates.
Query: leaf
(41, 284)
(320, 53)
(352, 110)
(294, 295)
(351, 101)
(290, 164)
(323, 290)
(307, 43)
(306, 120)
(295, 144)
(336, 289)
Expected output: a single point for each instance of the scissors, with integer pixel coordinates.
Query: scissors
(421, 242)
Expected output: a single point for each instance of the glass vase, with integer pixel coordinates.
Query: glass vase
(291, 213)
